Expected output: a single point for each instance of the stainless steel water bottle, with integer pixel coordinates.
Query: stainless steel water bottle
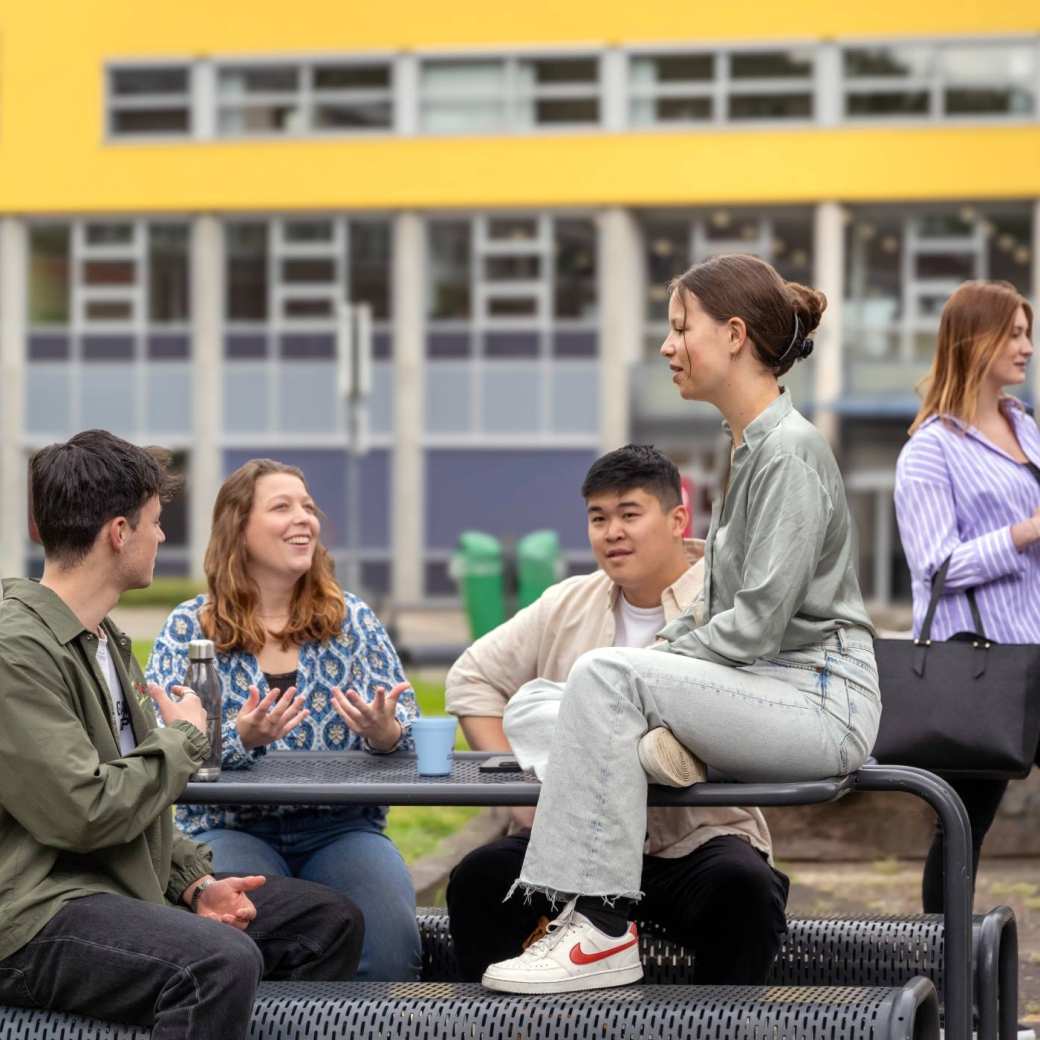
(202, 679)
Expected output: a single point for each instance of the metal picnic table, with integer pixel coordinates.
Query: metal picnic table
(355, 777)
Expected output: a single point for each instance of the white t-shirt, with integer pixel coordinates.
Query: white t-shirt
(636, 626)
(120, 709)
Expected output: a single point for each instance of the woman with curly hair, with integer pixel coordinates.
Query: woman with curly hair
(304, 666)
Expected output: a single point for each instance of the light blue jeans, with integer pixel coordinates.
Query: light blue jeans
(804, 715)
(348, 853)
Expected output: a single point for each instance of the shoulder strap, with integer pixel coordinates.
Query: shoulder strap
(938, 585)
(1035, 470)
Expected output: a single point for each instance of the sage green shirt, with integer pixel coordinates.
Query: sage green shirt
(779, 559)
(76, 816)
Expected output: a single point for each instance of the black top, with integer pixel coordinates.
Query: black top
(282, 681)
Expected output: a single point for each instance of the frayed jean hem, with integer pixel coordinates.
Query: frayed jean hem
(555, 896)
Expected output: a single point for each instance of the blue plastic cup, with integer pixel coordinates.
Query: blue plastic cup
(434, 741)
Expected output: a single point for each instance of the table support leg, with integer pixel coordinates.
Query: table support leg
(957, 1000)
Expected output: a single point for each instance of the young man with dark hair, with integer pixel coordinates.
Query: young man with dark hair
(707, 877)
(107, 909)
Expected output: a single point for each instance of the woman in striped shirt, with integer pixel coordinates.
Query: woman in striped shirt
(968, 488)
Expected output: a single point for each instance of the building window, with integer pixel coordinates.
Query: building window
(287, 277)
(720, 86)
(108, 290)
(333, 97)
(507, 95)
(512, 328)
(149, 100)
(902, 266)
(941, 80)
(674, 242)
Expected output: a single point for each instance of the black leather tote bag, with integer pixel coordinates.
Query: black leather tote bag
(961, 706)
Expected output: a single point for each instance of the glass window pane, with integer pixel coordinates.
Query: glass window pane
(889, 103)
(889, 61)
(562, 70)
(246, 271)
(874, 285)
(1009, 238)
(946, 224)
(154, 79)
(49, 275)
(169, 284)
(566, 110)
(351, 77)
(512, 306)
(988, 64)
(770, 64)
(308, 308)
(467, 77)
(575, 290)
(450, 269)
(674, 68)
(791, 248)
(954, 266)
(151, 121)
(307, 231)
(373, 115)
(261, 119)
(370, 265)
(308, 269)
(237, 81)
(108, 272)
(770, 106)
(109, 234)
(109, 310)
(514, 229)
(512, 268)
(965, 101)
(667, 256)
(445, 117)
(672, 110)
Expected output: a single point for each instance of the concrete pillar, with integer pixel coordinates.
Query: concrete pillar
(14, 263)
(407, 490)
(621, 321)
(207, 295)
(829, 277)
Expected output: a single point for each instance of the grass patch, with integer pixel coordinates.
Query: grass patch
(163, 592)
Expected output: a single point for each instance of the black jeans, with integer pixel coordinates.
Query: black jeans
(723, 900)
(189, 978)
(982, 800)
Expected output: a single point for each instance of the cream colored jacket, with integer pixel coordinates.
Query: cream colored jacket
(545, 639)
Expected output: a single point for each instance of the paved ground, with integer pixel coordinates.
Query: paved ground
(893, 887)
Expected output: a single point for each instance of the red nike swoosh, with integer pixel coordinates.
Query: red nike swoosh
(579, 956)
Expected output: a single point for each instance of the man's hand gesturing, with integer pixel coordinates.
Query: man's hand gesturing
(226, 901)
(188, 708)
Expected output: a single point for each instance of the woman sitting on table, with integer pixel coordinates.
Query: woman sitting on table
(777, 681)
(289, 642)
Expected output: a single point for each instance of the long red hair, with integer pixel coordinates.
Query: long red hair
(975, 326)
(229, 615)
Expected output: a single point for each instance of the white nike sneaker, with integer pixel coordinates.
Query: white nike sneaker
(666, 761)
(573, 955)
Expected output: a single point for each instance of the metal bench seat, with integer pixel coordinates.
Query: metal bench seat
(871, 951)
(451, 1011)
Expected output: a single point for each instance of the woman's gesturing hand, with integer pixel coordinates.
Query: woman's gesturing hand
(260, 722)
(376, 722)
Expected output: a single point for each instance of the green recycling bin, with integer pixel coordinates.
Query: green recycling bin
(539, 564)
(478, 571)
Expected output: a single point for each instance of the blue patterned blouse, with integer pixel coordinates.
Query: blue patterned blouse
(361, 658)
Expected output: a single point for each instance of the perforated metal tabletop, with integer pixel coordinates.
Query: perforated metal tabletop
(337, 777)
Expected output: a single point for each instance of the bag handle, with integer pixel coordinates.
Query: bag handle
(938, 584)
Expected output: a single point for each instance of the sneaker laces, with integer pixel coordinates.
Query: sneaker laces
(554, 932)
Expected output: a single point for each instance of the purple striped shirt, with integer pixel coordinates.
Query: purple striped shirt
(957, 494)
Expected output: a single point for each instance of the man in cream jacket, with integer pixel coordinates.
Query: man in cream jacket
(707, 873)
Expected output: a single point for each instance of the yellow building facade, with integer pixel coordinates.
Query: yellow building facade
(190, 194)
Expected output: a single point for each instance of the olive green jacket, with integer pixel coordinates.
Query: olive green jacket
(76, 816)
